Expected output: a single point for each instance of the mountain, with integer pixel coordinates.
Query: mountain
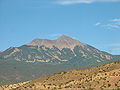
(61, 50)
(43, 50)
(98, 78)
(43, 57)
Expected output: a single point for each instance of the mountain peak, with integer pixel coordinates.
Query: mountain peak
(62, 42)
(62, 37)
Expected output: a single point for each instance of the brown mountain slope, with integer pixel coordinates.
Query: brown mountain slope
(61, 42)
(105, 76)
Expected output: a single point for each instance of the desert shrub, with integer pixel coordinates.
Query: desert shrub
(67, 86)
(115, 84)
(109, 85)
(102, 89)
(98, 82)
(79, 87)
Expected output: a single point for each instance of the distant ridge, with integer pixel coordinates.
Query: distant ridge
(62, 42)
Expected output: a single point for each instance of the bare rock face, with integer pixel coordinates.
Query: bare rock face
(61, 42)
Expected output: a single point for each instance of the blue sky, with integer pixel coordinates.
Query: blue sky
(95, 22)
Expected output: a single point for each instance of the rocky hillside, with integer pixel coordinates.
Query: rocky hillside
(102, 77)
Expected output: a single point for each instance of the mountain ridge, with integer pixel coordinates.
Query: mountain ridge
(61, 42)
(60, 50)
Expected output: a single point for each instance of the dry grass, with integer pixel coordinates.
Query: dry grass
(101, 77)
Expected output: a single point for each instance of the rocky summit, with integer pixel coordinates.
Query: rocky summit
(61, 42)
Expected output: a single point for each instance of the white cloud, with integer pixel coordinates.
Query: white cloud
(114, 24)
(116, 20)
(97, 24)
(68, 2)
(111, 24)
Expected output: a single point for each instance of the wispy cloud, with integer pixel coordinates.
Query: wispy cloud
(68, 2)
(113, 48)
(115, 45)
(97, 24)
(111, 24)
(116, 20)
